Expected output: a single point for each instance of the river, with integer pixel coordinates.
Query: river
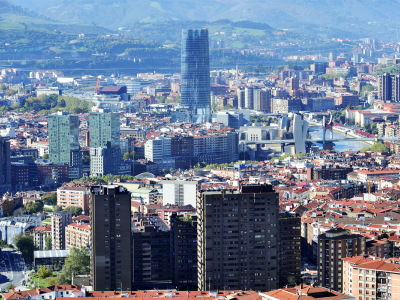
(339, 146)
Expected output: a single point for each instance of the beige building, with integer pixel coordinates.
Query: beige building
(77, 235)
(59, 220)
(368, 278)
(74, 194)
(39, 235)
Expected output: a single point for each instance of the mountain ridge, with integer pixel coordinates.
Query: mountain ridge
(361, 16)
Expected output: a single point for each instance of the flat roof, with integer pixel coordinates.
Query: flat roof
(51, 253)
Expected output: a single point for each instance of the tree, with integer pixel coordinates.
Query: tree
(127, 156)
(77, 262)
(33, 207)
(57, 208)
(9, 286)
(44, 272)
(291, 281)
(48, 245)
(50, 199)
(25, 244)
(76, 211)
(52, 281)
(46, 156)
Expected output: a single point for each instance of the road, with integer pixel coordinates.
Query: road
(12, 268)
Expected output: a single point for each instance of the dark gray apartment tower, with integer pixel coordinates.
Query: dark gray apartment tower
(237, 239)
(195, 74)
(385, 87)
(111, 239)
(5, 166)
(184, 252)
(396, 88)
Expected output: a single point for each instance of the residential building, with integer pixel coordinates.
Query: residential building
(237, 238)
(289, 248)
(59, 220)
(151, 252)
(75, 194)
(77, 235)
(369, 277)
(195, 74)
(179, 192)
(64, 142)
(110, 238)
(306, 292)
(333, 245)
(184, 252)
(9, 228)
(40, 234)
(5, 166)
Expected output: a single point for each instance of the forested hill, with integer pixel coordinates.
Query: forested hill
(364, 17)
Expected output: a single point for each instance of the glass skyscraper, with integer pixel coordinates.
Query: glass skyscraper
(104, 138)
(64, 142)
(195, 73)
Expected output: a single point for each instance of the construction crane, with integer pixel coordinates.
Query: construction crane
(97, 88)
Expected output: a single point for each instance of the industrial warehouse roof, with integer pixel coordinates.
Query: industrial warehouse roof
(51, 253)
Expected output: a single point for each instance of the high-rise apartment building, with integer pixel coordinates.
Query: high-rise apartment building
(249, 97)
(333, 245)
(241, 96)
(389, 87)
(110, 238)
(64, 142)
(105, 153)
(262, 100)
(5, 166)
(195, 73)
(184, 252)
(59, 220)
(237, 239)
(289, 248)
(151, 252)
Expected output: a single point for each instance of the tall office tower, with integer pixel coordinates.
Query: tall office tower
(237, 239)
(241, 95)
(110, 238)
(249, 97)
(333, 245)
(64, 142)
(5, 166)
(184, 252)
(385, 87)
(59, 220)
(195, 74)
(105, 153)
(289, 248)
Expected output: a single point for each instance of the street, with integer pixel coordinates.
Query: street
(12, 269)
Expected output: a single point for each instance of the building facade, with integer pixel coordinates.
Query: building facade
(110, 238)
(237, 239)
(333, 245)
(59, 220)
(5, 166)
(104, 142)
(64, 142)
(77, 235)
(369, 277)
(195, 73)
